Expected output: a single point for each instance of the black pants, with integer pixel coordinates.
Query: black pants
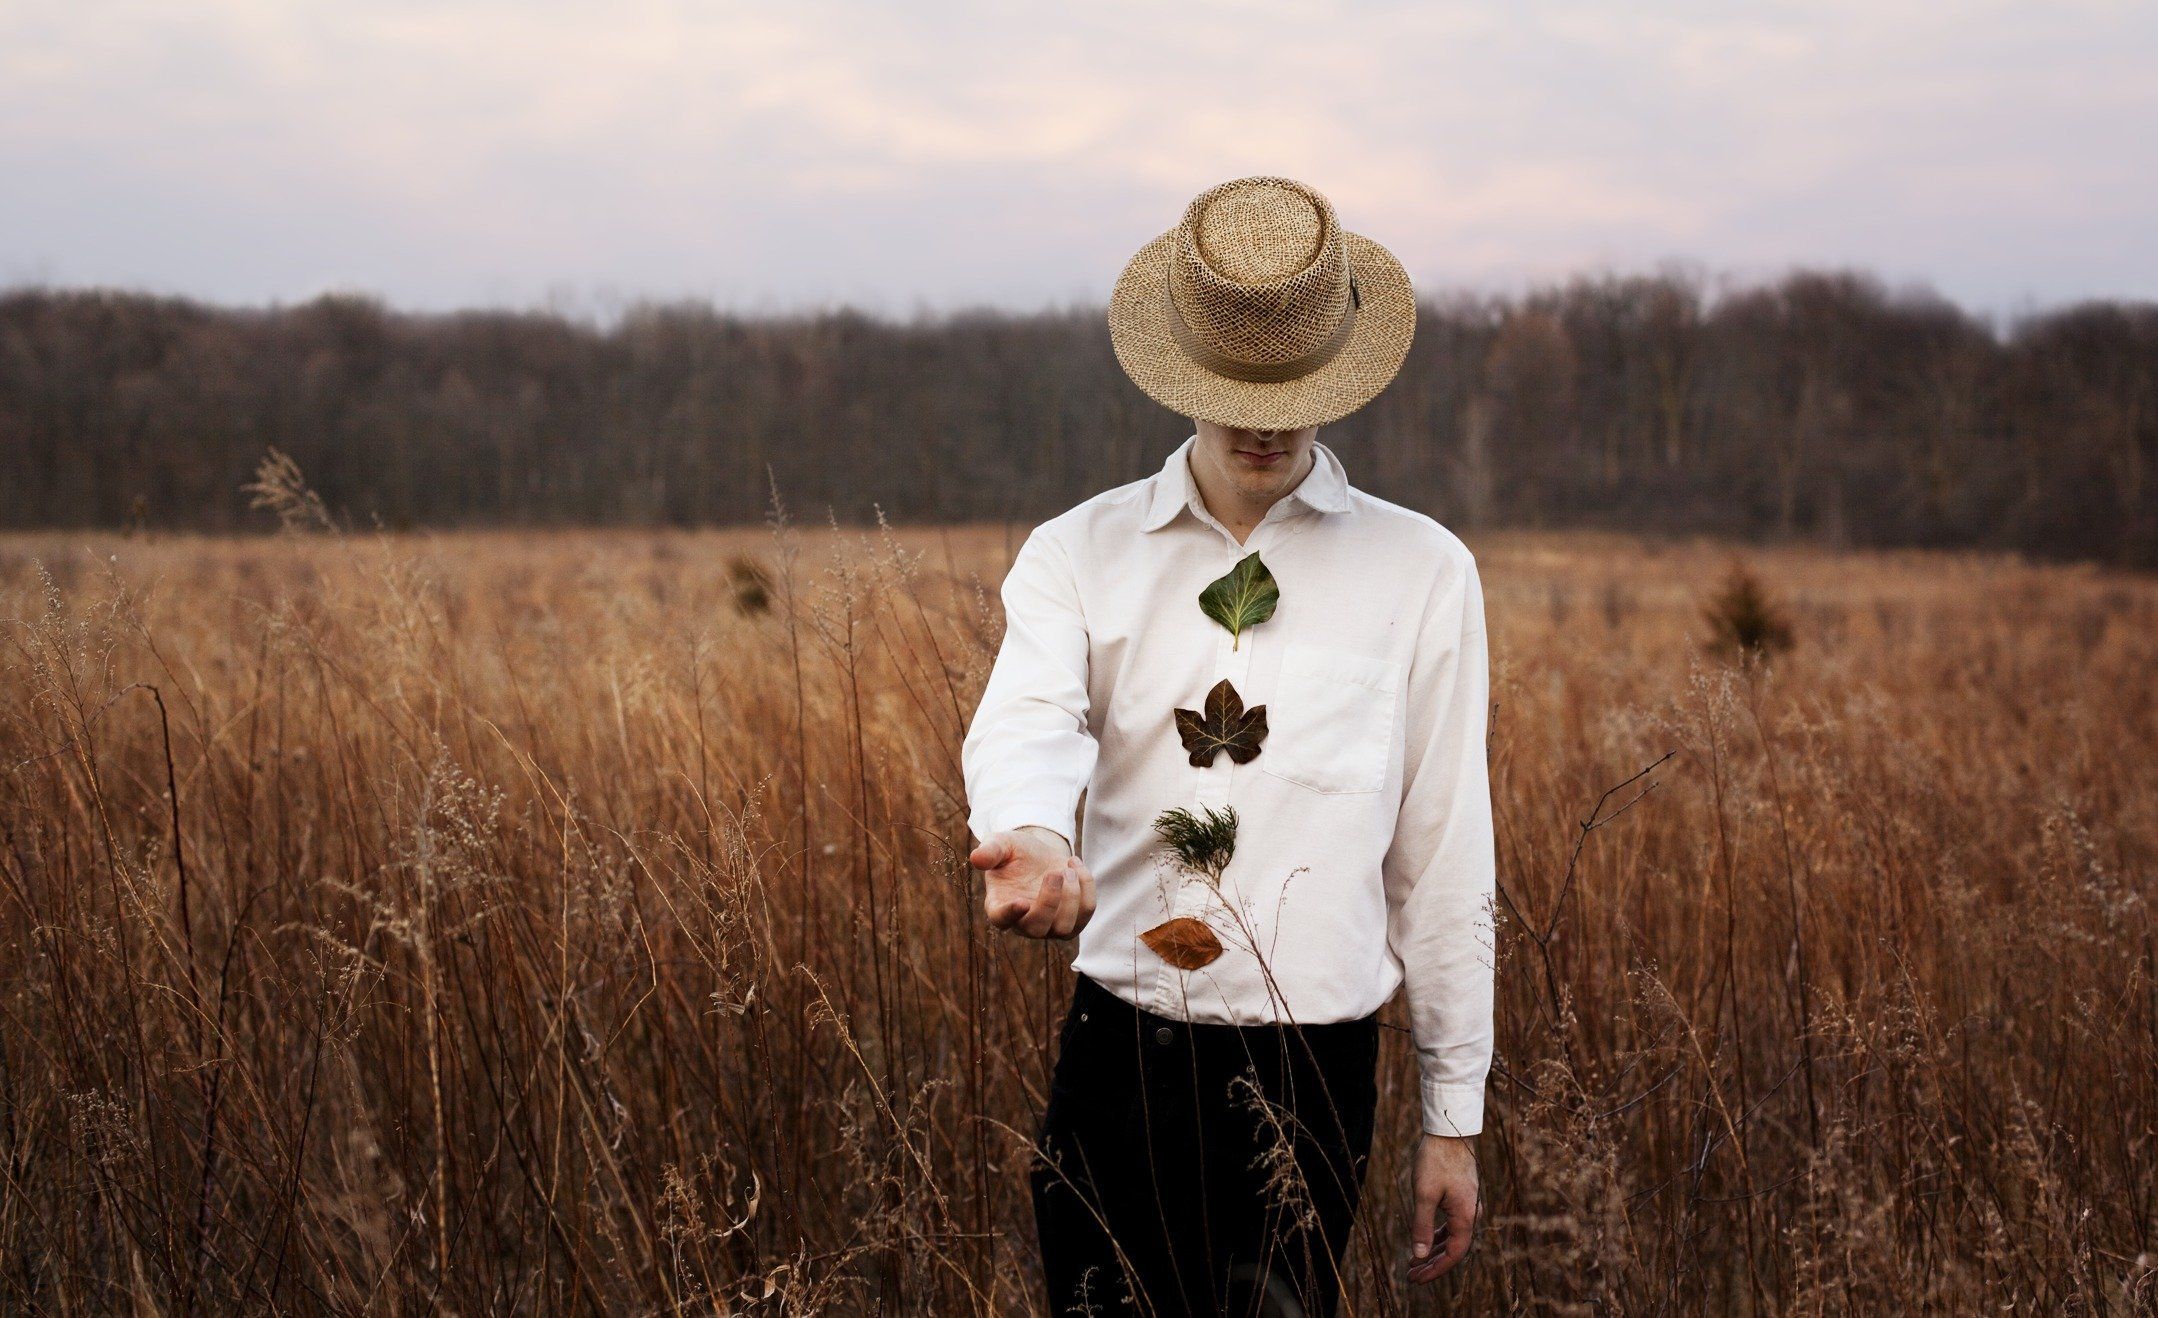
(1200, 1169)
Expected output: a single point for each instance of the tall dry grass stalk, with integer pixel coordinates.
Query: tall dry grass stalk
(500, 923)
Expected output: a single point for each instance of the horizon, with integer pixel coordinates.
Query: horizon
(607, 311)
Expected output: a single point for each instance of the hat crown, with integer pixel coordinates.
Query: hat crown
(1260, 270)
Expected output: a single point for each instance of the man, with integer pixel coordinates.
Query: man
(1271, 688)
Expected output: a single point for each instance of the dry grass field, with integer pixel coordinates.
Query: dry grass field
(491, 923)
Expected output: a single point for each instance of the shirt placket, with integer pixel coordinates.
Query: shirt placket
(1210, 788)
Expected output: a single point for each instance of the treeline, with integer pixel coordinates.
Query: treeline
(1823, 406)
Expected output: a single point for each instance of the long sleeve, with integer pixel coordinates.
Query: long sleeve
(1028, 753)
(1441, 869)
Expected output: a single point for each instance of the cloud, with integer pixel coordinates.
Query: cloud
(450, 151)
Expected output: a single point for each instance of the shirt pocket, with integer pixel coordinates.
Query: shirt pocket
(1330, 721)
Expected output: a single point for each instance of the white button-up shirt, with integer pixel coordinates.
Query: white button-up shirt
(1364, 856)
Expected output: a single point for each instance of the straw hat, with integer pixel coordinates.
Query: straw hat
(1260, 311)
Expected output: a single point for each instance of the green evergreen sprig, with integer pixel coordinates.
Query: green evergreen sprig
(1202, 843)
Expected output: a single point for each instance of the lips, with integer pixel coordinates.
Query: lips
(1261, 459)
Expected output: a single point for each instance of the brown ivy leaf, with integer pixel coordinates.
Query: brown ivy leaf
(1183, 942)
(1224, 726)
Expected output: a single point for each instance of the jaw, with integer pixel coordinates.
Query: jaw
(1260, 484)
(1255, 485)
(1268, 481)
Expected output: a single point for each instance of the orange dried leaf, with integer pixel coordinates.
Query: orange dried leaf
(1183, 942)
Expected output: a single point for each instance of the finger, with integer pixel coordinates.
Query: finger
(1041, 916)
(1460, 1231)
(1086, 894)
(994, 851)
(1074, 894)
(1423, 1224)
(1003, 906)
(1461, 1215)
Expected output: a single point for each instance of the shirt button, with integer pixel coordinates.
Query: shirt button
(1162, 1036)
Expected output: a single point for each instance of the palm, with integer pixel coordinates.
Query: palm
(1014, 883)
(1031, 884)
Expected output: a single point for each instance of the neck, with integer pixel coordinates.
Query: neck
(1231, 505)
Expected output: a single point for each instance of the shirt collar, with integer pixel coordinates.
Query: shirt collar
(1325, 488)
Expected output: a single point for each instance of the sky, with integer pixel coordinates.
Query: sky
(938, 154)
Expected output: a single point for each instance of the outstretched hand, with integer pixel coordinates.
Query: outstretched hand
(1033, 885)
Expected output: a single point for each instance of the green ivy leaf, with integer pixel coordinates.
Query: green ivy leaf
(1224, 725)
(1244, 598)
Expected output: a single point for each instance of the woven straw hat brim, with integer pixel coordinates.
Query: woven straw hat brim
(1147, 348)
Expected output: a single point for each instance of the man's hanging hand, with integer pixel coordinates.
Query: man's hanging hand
(1443, 1221)
(1034, 885)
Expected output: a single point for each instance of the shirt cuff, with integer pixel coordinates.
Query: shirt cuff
(1043, 814)
(1453, 1109)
